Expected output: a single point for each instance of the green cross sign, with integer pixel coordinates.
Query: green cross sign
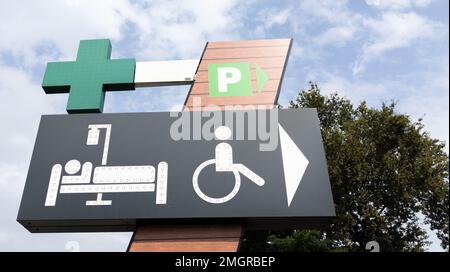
(87, 78)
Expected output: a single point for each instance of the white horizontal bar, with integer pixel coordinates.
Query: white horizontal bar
(107, 188)
(165, 73)
(124, 174)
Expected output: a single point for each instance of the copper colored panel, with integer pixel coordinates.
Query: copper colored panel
(272, 73)
(188, 238)
(273, 62)
(256, 99)
(250, 43)
(270, 55)
(187, 245)
(203, 87)
(247, 52)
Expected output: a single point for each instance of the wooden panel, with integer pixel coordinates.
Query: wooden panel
(262, 62)
(250, 52)
(256, 99)
(272, 73)
(187, 238)
(193, 245)
(270, 55)
(249, 43)
(230, 107)
(203, 87)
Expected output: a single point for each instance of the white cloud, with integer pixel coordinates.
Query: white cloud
(434, 111)
(26, 101)
(356, 90)
(181, 28)
(430, 101)
(268, 18)
(50, 29)
(398, 4)
(393, 28)
(316, 25)
(338, 35)
(272, 17)
(33, 31)
(393, 31)
(329, 11)
(278, 18)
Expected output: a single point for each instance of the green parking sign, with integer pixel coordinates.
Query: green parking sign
(229, 79)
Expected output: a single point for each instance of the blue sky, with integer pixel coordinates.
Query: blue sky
(373, 50)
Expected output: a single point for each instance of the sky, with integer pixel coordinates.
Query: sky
(373, 50)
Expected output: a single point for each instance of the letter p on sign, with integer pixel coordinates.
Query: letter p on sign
(229, 79)
(227, 75)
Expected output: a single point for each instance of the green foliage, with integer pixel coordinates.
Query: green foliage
(385, 171)
(304, 241)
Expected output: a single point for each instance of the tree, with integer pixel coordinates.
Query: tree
(387, 176)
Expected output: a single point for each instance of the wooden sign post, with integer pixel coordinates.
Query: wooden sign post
(268, 55)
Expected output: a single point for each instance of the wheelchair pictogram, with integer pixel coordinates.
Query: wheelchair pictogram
(223, 162)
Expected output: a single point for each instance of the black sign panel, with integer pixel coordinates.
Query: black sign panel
(103, 172)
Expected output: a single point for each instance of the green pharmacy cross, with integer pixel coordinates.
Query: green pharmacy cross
(87, 78)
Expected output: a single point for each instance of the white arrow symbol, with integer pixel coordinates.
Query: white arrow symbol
(294, 163)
